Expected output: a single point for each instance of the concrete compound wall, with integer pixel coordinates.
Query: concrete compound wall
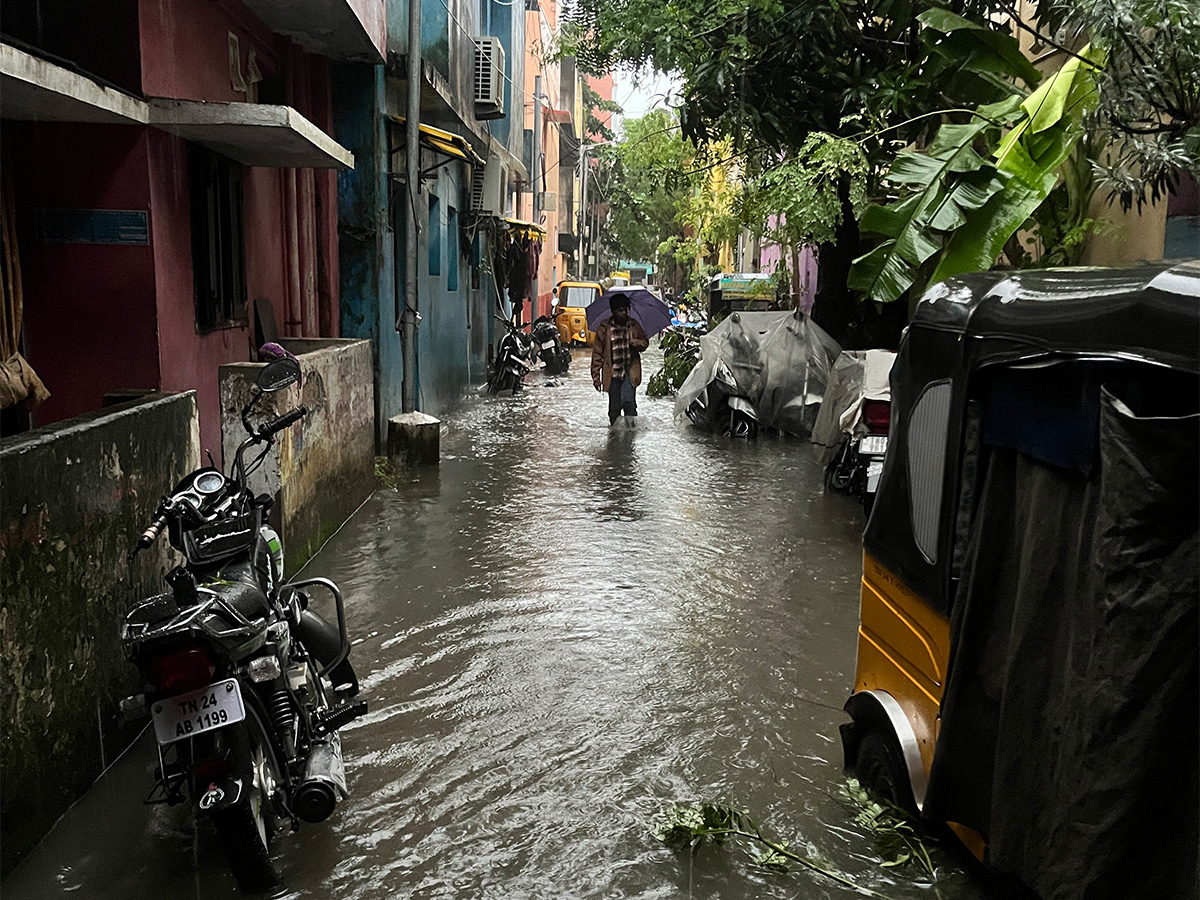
(323, 467)
(75, 497)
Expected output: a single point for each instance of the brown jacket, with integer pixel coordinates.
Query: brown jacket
(602, 367)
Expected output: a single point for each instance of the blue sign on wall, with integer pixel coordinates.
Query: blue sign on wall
(93, 226)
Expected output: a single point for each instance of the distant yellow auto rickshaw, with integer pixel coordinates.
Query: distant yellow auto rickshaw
(573, 298)
(1027, 644)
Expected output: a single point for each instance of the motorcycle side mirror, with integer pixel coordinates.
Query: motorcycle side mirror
(277, 374)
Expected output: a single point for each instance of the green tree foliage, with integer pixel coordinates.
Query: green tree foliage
(1147, 121)
(958, 206)
(645, 186)
(797, 201)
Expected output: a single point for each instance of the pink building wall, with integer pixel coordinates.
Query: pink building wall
(102, 318)
(770, 261)
(89, 312)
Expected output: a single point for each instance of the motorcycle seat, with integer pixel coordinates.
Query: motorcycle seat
(247, 599)
(152, 611)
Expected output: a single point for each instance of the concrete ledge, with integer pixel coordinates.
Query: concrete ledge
(414, 439)
(32, 88)
(323, 467)
(254, 134)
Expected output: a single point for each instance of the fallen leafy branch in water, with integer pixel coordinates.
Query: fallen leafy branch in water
(895, 838)
(390, 478)
(689, 826)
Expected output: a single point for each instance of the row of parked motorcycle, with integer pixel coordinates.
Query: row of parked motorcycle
(521, 352)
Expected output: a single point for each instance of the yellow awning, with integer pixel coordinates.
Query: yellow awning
(526, 229)
(445, 142)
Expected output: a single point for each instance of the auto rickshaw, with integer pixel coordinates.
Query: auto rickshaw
(1027, 649)
(574, 297)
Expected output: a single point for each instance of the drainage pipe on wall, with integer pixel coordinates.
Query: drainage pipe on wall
(412, 189)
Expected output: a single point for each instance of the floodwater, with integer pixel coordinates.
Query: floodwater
(562, 631)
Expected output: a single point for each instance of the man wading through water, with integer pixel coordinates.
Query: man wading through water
(616, 359)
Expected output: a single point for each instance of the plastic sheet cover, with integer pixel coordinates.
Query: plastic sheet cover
(1070, 723)
(781, 363)
(857, 375)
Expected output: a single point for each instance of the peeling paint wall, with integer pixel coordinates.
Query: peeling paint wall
(74, 498)
(323, 466)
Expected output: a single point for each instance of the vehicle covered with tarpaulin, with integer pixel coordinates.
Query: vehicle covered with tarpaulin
(856, 377)
(779, 361)
(1028, 645)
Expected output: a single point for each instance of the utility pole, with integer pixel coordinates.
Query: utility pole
(535, 176)
(583, 210)
(412, 158)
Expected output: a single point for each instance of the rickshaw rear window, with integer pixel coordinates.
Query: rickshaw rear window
(927, 431)
(577, 296)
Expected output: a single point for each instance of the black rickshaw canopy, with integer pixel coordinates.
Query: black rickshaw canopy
(1149, 314)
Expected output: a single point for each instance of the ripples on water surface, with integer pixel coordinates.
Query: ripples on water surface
(569, 626)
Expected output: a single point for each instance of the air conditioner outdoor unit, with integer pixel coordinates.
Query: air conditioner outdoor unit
(489, 78)
(485, 190)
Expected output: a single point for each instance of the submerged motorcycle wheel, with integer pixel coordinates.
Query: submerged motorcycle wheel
(742, 426)
(247, 829)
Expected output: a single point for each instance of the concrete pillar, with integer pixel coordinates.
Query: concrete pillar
(414, 439)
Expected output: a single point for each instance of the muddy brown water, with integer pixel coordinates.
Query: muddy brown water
(560, 632)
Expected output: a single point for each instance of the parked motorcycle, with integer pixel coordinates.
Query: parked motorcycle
(246, 686)
(758, 371)
(723, 407)
(556, 358)
(515, 358)
(851, 433)
(858, 461)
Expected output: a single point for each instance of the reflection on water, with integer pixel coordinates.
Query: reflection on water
(564, 629)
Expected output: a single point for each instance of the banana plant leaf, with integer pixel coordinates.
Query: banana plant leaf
(1031, 155)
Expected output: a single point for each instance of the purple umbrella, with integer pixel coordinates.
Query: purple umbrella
(651, 313)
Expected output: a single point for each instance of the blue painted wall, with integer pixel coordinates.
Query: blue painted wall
(443, 337)
(366, 253)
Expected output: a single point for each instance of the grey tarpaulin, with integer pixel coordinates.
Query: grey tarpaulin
(857, 375)
(779, 359)
(1070, 721)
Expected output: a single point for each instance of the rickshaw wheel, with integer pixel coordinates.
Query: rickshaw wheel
(881, 769)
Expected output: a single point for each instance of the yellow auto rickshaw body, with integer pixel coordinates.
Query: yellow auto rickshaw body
(1025, 408)
(574, 297)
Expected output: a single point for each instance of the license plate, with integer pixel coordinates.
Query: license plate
(874, 470)
(187, 715)
(875, 444)
(547, 345)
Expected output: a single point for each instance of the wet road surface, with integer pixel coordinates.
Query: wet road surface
(561, 631)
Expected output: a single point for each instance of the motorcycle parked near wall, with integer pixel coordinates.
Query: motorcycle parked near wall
(515, 358)
(556, 358)
(246, 685)
(858, 462)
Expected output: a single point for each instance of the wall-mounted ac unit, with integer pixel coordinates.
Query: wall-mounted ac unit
(489, 78)
(486, 196)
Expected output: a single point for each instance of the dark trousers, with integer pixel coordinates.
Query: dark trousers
(621, 397)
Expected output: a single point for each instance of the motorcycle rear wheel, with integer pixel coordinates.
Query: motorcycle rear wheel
(247, 828)
(742, 426)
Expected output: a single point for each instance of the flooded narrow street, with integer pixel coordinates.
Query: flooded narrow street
(564, 629)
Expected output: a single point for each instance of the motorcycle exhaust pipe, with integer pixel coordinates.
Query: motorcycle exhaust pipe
(324, 782)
